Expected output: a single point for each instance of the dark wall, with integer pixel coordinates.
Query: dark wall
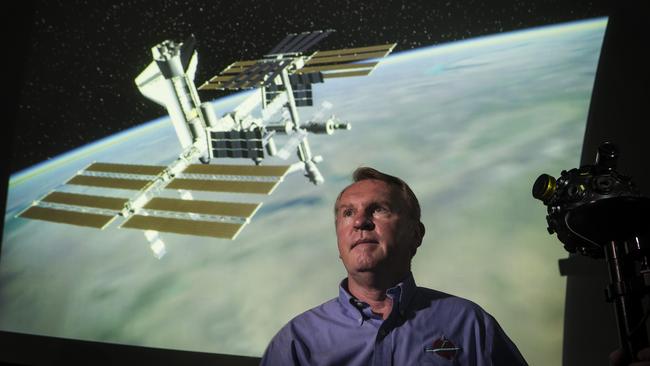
(16, 30)
(620, 102)
(28, 349)
(619, 112)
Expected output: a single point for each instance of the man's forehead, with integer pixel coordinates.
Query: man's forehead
(368, 189)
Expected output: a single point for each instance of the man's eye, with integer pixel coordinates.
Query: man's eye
(347, 213)
(380, 209)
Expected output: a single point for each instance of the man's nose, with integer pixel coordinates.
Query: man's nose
(363, 222)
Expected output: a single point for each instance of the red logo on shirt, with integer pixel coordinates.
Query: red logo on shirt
(444, 348)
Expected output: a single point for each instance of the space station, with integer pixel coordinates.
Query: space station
(282, 82)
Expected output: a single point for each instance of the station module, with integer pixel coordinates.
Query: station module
(282, 80)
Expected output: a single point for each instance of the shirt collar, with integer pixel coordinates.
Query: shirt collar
(401, 293)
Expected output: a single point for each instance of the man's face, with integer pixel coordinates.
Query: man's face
(373, 230)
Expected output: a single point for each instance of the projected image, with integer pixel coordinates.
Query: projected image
(469, 125)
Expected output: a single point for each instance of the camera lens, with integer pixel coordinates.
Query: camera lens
(544, 187)
(605, 184)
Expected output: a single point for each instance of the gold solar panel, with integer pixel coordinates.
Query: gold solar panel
(222, 186)
(67, 217)
(245, 75)
(343, 58)
(347, 51)
(183, 226)
(231, 71)
(345, 62)
(126, 168)
(221, 78)
(346, 74)
(248, 170)
(203, 207)
(256, 75)
(242, 64)
(119, 183)
(227, 75)
(367, 65)
(110, 203)
(211, 86)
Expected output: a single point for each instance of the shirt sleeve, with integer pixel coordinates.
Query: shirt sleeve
(283, 350)
(503, 351)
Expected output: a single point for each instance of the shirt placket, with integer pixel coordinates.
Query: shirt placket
(384, 340)
(383, 346)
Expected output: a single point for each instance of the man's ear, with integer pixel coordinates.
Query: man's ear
(418, 234)
(420, 230)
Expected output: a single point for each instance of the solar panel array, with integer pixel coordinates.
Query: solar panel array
(298, 43)
(246, 75)
(300, 86)
(237, 144)
(175, 215)
(346, 62)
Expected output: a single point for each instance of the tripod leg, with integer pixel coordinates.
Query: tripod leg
(627, 304)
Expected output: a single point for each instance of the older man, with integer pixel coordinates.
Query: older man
(380, 316)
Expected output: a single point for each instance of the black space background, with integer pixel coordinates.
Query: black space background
(76, 60)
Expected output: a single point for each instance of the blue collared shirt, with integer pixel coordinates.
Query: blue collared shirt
(425, 327)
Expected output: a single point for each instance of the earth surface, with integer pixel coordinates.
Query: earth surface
(469, 125)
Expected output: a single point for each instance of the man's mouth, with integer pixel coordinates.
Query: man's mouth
(365, 241)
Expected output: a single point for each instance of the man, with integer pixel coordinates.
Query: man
(380, 317)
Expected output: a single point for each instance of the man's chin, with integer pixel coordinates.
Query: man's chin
(367, 267)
